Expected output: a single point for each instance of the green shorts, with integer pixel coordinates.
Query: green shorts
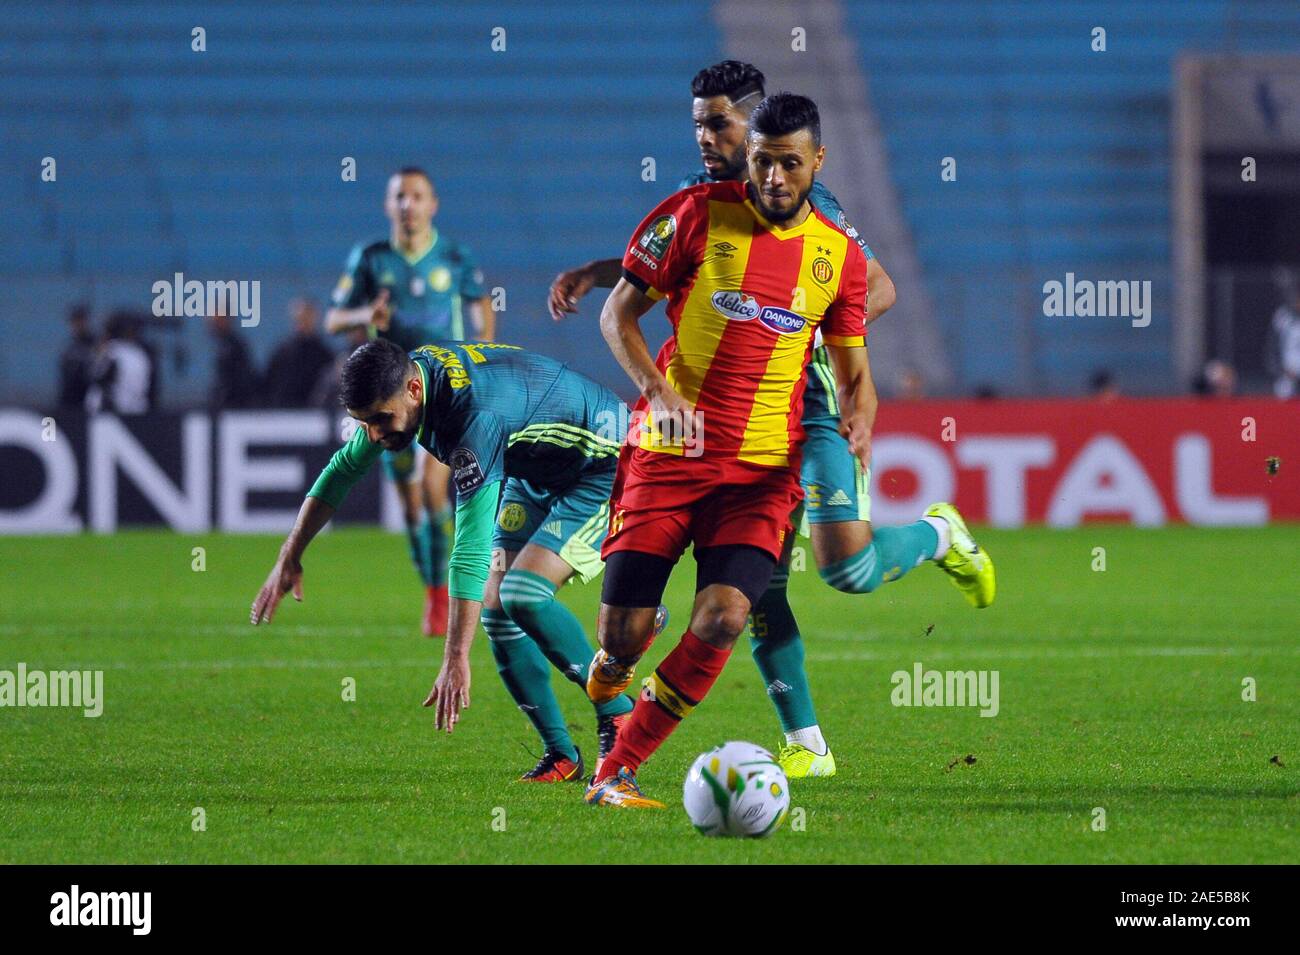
(835, 486)
(571, 524)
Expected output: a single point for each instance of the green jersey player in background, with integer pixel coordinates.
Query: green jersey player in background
(533, 448)
(834, 482)
(415, 287)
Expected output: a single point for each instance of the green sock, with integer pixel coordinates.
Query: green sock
(778, 651)
(419, 538)
(439, 534)
(893, 551)
(529, 600)
(524, 671)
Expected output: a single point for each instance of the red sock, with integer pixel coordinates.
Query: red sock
(682, 680)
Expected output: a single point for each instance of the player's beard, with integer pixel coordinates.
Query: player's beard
(734, 169)
(400, 440)
(775, 216)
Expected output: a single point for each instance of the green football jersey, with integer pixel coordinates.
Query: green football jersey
(427, 292)
(493, 412)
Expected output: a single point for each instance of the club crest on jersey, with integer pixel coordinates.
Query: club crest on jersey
(782, 321)
(822, 270)
(513, 517)
(736, 306)
(657, 235)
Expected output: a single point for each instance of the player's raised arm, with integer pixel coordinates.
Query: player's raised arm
(568, 287)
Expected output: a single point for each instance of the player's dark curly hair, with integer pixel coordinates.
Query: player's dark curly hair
(730, 78)
(374, 372)
(784, 113)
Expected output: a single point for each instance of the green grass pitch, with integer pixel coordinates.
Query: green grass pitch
(1119, 689)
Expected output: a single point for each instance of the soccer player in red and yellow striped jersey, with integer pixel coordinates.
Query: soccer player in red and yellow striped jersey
(750, 271)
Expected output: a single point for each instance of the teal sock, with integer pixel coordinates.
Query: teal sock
(439, 534)
(778, 651)
(524, 671)
(529, 600)
(893, 551)
(419, 537)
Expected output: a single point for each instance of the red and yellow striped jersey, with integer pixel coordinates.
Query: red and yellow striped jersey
(745, 298)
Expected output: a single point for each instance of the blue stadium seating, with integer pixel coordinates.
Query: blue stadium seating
(1063, 164)
(226, 163)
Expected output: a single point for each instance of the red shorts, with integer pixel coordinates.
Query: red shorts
(662, 502)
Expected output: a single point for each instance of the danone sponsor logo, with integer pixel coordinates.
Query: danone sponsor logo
(782, 321)
(736, 306)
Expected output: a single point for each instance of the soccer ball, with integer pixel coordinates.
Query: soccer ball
(737, 789)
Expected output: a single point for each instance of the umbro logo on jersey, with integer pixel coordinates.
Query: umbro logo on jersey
(736, 306)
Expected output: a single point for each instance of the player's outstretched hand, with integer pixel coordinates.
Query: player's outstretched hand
(284, 577)
(450, 693)
(380, 313)
(567, 288)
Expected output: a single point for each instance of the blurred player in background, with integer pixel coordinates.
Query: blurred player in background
(415, 287)
(835, 485)
(750, 271)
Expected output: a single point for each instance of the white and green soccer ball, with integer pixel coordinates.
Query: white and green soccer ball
(736, 789)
